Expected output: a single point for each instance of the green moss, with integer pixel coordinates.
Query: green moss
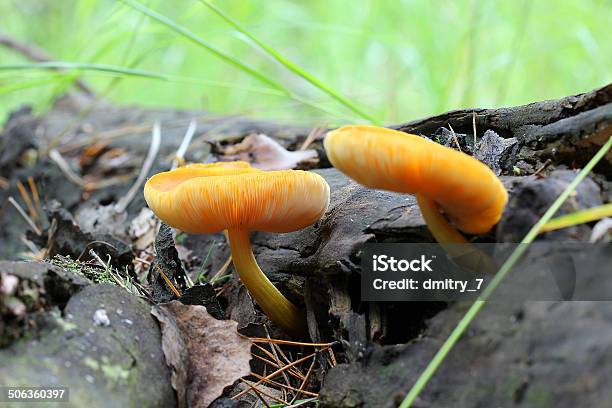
(91, 363)
(95, 274)
(113, 372)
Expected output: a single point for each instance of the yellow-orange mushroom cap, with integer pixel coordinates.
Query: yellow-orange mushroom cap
(470, 194)
(208, 198)
(232, 196)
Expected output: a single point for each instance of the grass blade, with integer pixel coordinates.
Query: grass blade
(223, 56)
(291, 65)
(61, 65)
(119, 71)
(199, 41)
(463, 324)
(123, 71)
(578, 217)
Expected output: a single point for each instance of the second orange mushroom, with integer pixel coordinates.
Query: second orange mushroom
(466, 190)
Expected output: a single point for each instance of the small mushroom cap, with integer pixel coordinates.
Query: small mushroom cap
(208, 198)
(468, 191)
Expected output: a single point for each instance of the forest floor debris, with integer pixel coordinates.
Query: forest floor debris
(99, 258)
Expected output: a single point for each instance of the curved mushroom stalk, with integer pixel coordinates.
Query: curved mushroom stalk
(465, 255)
(437, 224)
(276, 306)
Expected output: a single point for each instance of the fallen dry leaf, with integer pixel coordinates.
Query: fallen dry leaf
(265, 153)
(100, 159)
(205, 354)
(143, 229)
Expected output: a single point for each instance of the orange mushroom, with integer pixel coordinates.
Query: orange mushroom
(466, 190)
(232, 196)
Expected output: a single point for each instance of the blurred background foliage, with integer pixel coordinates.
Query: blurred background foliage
(397, 60)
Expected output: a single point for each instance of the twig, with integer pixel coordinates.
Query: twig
(58, 159)
(314, 134)
(36, 54)
(50, 237)
(542, 167)
(91, 243)
(188, 278)
(33, 248)
(300, 403)
(170, 284)
(4, 184)
(34, 191)
(258, 391)
(27, 200)
(292, 343)
(333, 357)
(221, 270)
(94, 255)
(280, 370)
(27, 50)
(97, 185)
(287, 359)
(261, 399)
(454, 137)
(142, 261)
(106, 136)
(301, 390)
(275, 354)
(293, 372)
(265, 360)
(109, 269)
(144, 171)
(65, 168)
(106, 266)
(25, 216)
(272, 382)
(179, 158)
(128, 130)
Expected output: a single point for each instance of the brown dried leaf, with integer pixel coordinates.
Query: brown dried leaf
(90, 155)
(265, 153)
(99, 159)
(205, 354)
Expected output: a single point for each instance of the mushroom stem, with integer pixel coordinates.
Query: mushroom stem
(280, 310)
(468, 256)
(439, 227)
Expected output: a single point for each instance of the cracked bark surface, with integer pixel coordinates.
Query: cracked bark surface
(567, 130)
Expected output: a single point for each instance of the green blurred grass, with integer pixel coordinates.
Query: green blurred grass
(397, 60)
